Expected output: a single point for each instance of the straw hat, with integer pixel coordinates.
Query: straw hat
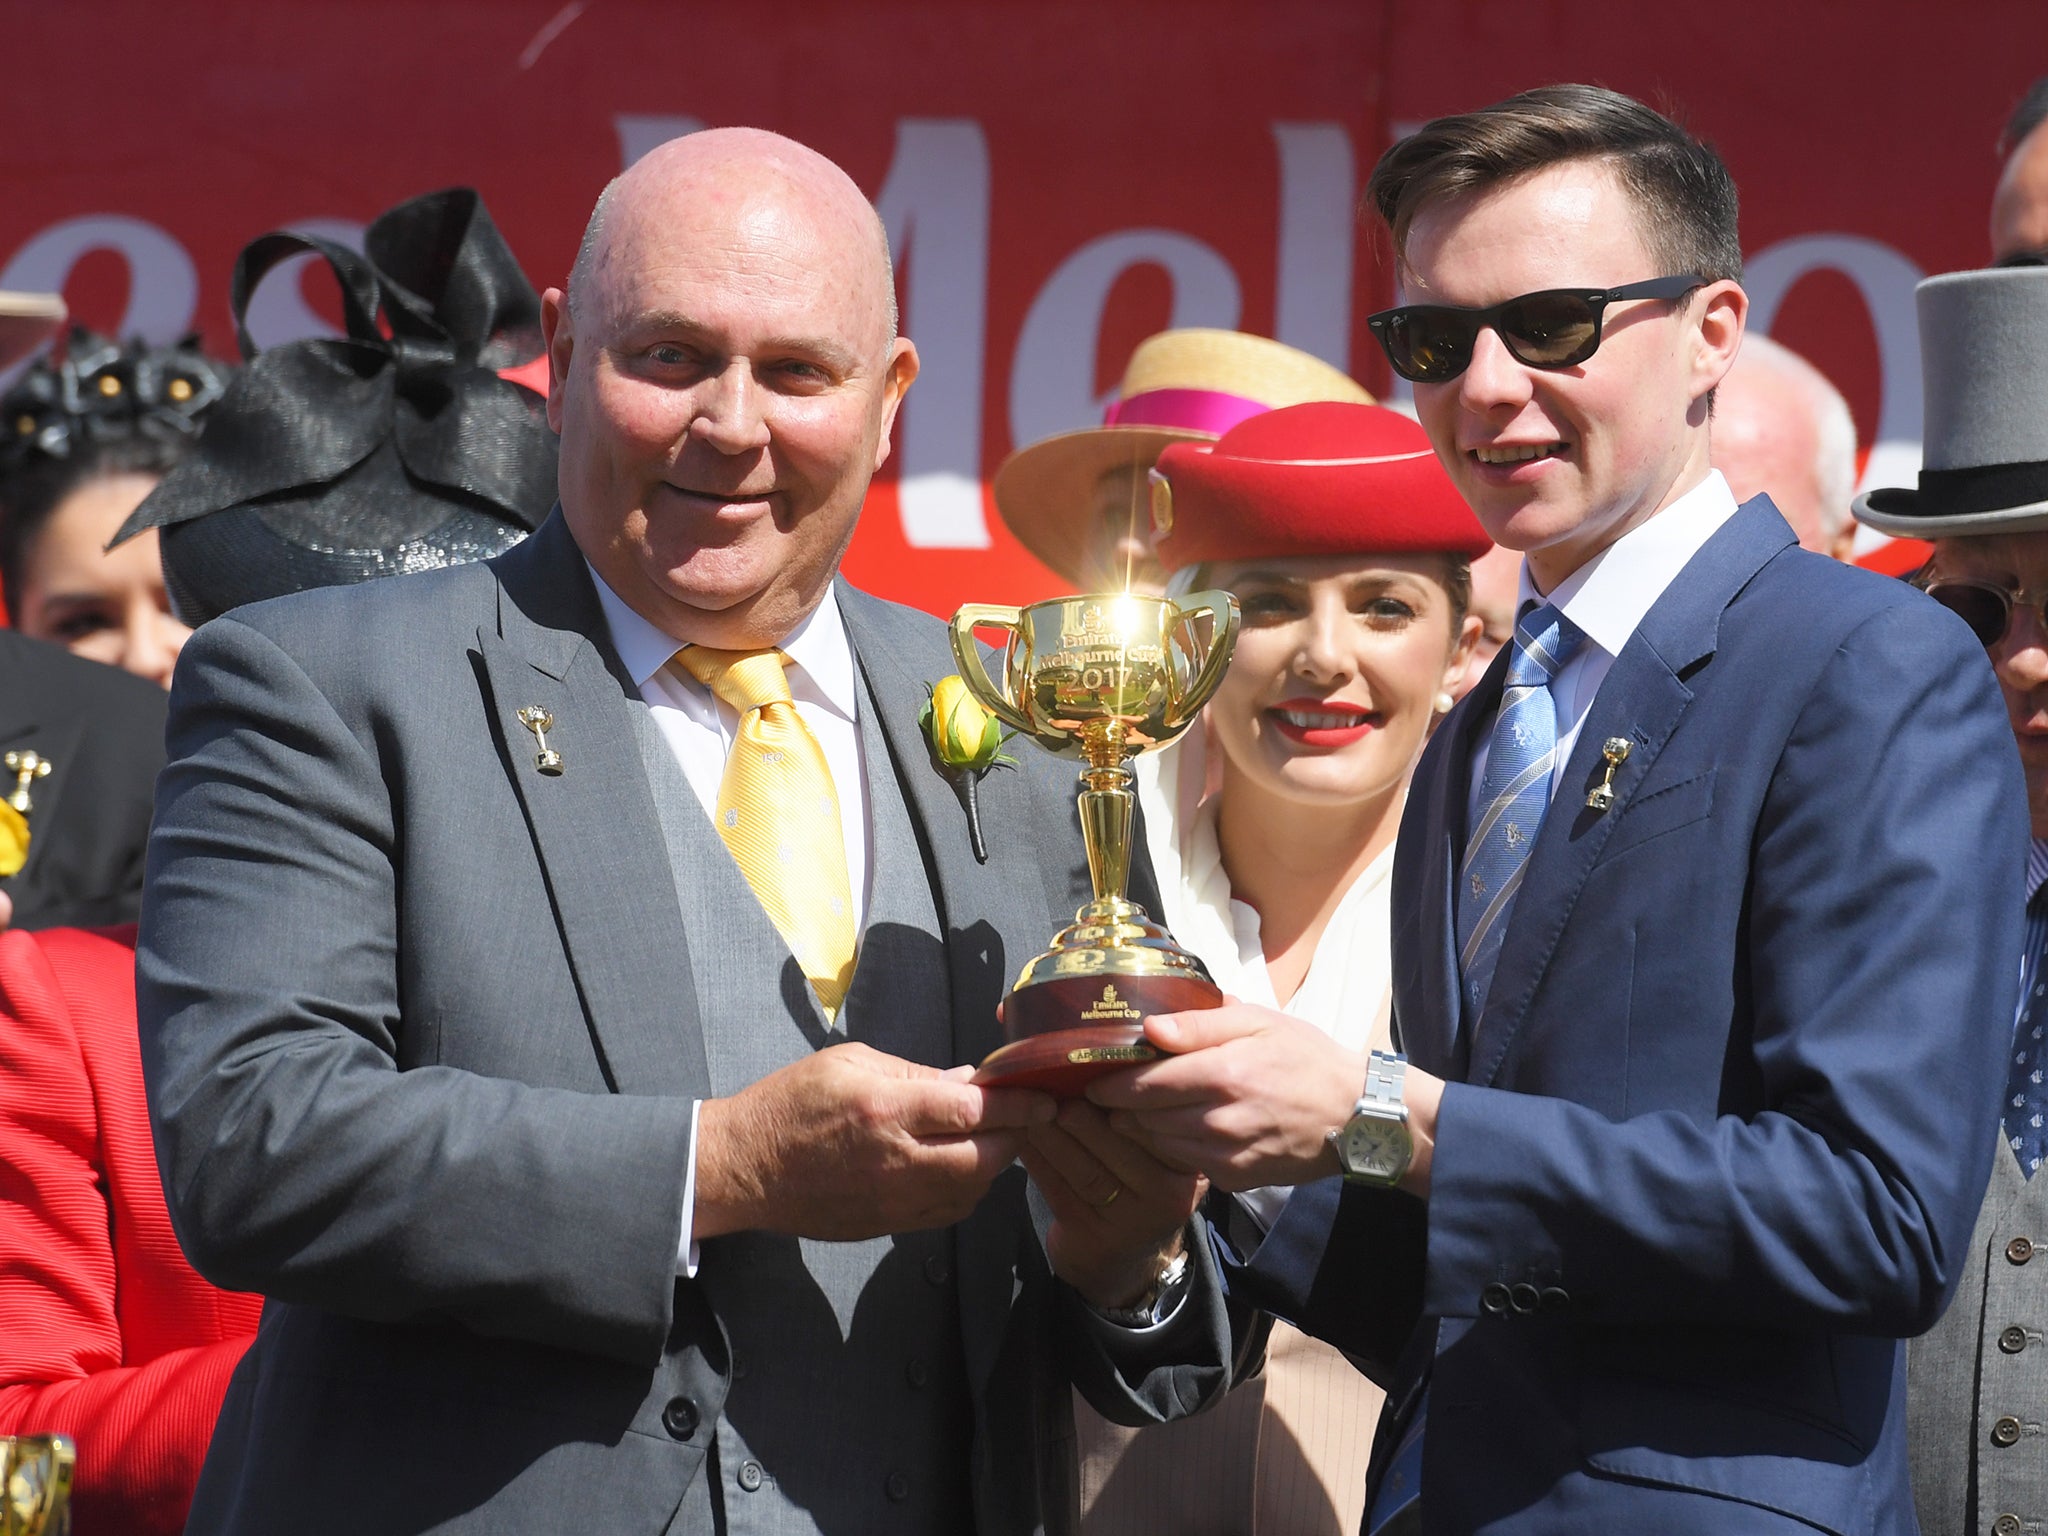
(25, 319)
(1984, 377)
(1179, 386)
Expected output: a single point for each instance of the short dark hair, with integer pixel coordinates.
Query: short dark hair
(2030, 114)
(1684, 197)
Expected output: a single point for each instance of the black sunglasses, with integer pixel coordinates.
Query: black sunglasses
(1555, 328)
(1987, 609)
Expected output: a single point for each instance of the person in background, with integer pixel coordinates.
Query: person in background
(2019, 205)
(1780, 428)
(100, 732)
(1977, 1383)
(1706, 910)
(1271, 830)
(1496, 578)
(82, 441)
(1078, 500)
(106, 1333)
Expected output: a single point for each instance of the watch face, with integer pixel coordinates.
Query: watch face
(1375, 1147)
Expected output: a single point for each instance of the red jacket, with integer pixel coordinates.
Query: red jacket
(106, 1334)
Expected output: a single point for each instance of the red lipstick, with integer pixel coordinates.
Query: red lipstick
(1324, 723)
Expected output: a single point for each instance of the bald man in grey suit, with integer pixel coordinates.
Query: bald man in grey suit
(579, 1199)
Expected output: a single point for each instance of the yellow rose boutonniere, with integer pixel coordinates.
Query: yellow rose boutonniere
(13, 840)
(966, 741)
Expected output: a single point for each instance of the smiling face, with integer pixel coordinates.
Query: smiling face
(1559, 463)
(725, 385)
(1334, 681)
(2017, 562)
(105, 605)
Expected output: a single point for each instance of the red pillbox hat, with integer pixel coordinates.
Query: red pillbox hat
(1329, 478)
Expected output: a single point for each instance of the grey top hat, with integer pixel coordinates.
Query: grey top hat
(1984, 371)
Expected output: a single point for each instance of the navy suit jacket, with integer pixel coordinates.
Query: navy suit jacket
(1717, 1141)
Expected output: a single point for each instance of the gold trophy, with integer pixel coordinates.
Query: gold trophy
(35, 1484)
(1102, 677)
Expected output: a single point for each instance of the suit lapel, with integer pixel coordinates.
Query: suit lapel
(1425, 942)
(594, 825)
(1642, 700)
(897, 661)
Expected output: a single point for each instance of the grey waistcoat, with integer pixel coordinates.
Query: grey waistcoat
(1977, 1393)
(849, 1409)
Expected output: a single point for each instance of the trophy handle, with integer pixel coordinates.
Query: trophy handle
(1223, 620)
(967, 652)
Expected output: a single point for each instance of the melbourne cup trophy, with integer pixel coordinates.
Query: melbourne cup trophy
(1101, 677)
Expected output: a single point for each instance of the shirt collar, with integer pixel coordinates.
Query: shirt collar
(1608, 596)
(818, 646)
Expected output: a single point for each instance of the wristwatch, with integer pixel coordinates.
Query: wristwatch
(1373, 1146)
(1160, 1299)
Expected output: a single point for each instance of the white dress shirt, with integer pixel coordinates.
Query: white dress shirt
(1607, 597)
(699, 728)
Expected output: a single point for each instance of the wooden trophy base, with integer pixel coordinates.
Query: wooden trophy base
(1067, 1031)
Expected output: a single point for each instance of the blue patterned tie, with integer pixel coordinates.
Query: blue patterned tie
(1515, 795)
(2026, 1100)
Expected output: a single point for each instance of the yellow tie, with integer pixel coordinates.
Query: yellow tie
(779, 815)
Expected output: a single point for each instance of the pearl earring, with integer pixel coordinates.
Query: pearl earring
(1444, 701)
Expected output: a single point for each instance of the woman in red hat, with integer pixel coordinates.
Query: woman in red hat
(1271, 830)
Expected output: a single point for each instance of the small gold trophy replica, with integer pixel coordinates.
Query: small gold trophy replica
(1102, 677)
(35, 1485)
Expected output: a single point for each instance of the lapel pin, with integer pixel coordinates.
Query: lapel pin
(1615, 751)
(540, 722)
(26, 767)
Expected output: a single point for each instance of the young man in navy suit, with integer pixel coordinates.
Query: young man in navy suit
(1697, 967)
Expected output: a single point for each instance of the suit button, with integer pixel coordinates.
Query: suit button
(2019, 1250)
(680, 1417)
(2006, 1525)
(1494, 1298)
(897, 1486)
(917, 1373)
(937, 1270)
(2013, 1340)
(1524, 1298)
(2006, 1431)
(1555, 1298)
(750, 1476)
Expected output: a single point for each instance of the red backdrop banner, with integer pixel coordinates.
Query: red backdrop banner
(1059, 179)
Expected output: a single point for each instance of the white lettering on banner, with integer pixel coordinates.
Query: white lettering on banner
(1318, 221)
(278, 311)
(1052, 377)
(163, 287)
(935, 203)
(1885, 280)
(638, 134)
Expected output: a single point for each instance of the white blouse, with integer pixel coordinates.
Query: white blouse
(1345, 993)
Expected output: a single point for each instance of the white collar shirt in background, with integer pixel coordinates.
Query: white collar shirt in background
(1607, 597)
(699, 728)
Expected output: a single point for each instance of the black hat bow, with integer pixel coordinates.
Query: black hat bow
(396, 447)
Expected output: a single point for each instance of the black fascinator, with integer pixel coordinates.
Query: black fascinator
(103, 392)
(396, 448)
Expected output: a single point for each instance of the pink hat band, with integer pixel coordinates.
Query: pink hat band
(1186, 410)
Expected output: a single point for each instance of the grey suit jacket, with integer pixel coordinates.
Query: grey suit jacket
(1977, 1383)
(420, 1041)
